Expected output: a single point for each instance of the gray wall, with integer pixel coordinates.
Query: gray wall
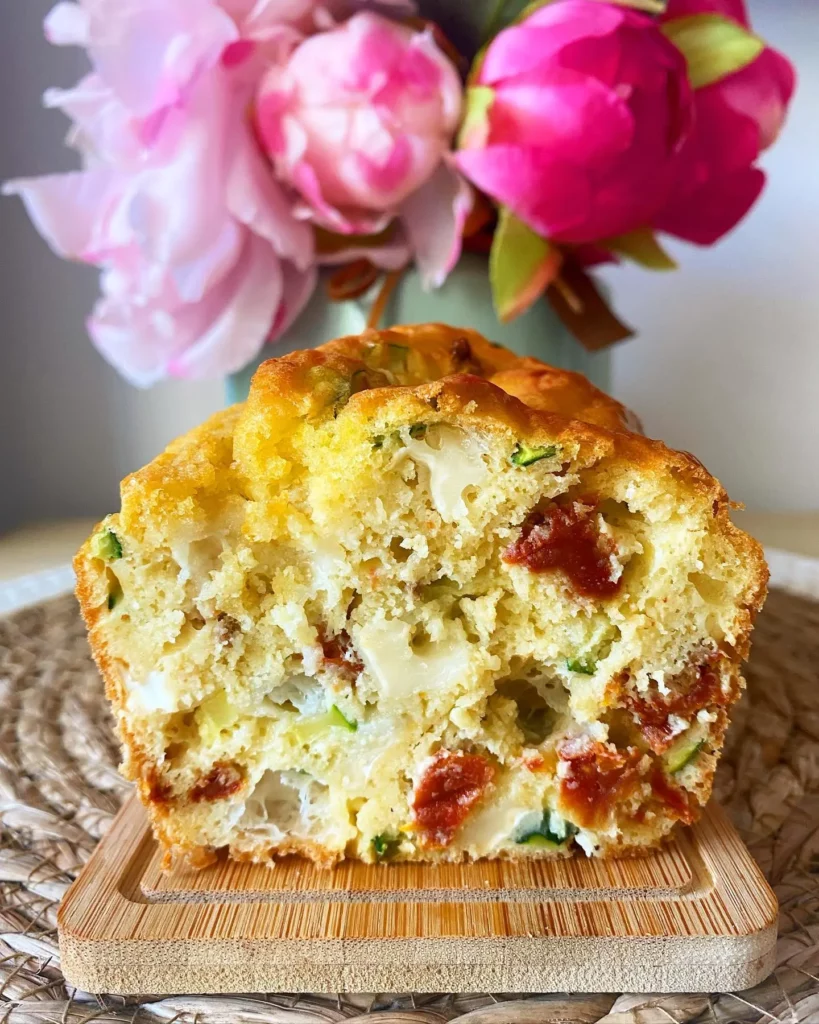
(57, 398)
(727, 363)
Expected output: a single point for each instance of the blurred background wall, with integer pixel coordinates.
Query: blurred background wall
(726, 363)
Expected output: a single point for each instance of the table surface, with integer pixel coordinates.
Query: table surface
(46, 545)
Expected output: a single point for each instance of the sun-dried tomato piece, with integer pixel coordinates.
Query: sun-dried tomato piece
(339, 651)
(159, 790)
(676, 801)
(652, 714)
(566, 538)
(224, 779)
(597, 777)
(451, 785)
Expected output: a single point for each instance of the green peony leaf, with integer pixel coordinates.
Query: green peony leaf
(641, 246)
(713, 46)
(649, 6)
(521, 266)
(475, 125)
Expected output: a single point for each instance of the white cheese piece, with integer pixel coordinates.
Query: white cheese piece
(401, 672)
(453, 467)
(486, 830)
(156, 693)
(281, 802)
(677, 724)
(558, 825)
(304, 693)
(327, 563)
(294, 803)
(312, 658)
(197, 558)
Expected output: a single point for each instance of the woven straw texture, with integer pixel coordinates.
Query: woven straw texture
(59, 790)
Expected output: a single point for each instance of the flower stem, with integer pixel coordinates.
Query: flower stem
(387, 287)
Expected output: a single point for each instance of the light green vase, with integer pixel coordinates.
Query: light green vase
(464, 300)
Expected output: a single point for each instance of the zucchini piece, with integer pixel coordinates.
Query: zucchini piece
(417, 430)
(337, 717)
(107, 546)
(114, 597)
(682, 755)
(585, 668)
(385, 846)
(313, 726)
(523, 455)
(538, 841)
(548, 830)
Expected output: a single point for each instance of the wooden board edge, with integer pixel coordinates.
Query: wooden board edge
(560, 965)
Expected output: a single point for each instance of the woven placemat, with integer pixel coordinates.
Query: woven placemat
(59, 790)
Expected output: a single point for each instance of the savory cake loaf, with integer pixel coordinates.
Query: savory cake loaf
(420, 599)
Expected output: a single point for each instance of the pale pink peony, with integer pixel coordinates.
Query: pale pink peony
(201, 256)
(590, 106)
(737, 117)
(359, 121)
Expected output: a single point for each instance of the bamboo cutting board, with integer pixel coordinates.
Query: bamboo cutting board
(696, 916)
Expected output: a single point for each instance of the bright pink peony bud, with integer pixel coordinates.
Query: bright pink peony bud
(736, 117)
(586, 107)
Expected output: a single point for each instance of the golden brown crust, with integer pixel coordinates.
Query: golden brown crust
(265, 853)
(136, 767)
(437, 351)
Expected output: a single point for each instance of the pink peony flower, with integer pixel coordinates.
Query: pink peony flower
(202, 258)
(737, 117)
(588, 106)
(358, 122)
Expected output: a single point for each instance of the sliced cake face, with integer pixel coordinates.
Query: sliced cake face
(367, 615)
